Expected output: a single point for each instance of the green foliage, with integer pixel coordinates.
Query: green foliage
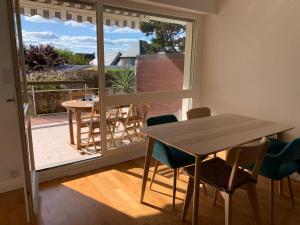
(123, 80)
(71, 58)
(167, 37)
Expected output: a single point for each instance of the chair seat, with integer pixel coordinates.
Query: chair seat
(216, 173)
(95, 123)
(173, 157)
(287, 169)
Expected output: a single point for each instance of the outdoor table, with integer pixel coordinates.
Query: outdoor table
(77, 107)
(206, 136)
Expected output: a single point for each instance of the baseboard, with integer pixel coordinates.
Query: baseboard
(11, 185)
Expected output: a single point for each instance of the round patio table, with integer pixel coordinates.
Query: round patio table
(77, 107)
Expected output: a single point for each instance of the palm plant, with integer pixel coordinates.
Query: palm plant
(123, 80)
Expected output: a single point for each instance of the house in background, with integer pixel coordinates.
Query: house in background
(129, 57)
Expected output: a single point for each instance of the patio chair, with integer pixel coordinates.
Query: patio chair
(227, 176)
(80, 94)
(135, 119)
(94, 123)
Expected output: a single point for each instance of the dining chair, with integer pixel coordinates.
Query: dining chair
(228, 175)
(135, 119)
(94, 123)
(79, 94)
(199, 112)
(281, 161)
(167, 155)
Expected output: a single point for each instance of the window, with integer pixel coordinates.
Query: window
(152, 56)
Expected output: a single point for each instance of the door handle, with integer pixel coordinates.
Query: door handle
(9, 100)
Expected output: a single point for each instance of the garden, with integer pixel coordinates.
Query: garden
(52, 74)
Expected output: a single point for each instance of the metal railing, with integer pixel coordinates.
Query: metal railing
(33, 90)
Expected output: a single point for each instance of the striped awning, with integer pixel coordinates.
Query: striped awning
(81, 11)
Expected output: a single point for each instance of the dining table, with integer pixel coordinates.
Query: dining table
(205, 136)
(76, 107)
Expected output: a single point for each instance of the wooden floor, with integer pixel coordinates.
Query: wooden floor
(110, 196)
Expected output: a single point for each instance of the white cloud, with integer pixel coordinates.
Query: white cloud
(39, 19)
(119, 41)
(75, 43)
(44, 35)
(116, 29)
(73, 23)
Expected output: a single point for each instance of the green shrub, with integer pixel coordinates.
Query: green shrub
(71, 58)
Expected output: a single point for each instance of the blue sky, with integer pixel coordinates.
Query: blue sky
(78, 37)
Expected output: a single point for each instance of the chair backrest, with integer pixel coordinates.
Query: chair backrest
(96, 107)
(198, 113)
(291, 152)
(137, 112)
(250, 156)
(161, 120)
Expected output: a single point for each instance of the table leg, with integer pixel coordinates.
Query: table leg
(146, 166)
(70, 119)
(78, 125)
(196, 190)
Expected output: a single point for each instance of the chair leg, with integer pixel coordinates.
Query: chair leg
(88, 140)
(188, 196)
(154, 172)
(271, 201)
(94, 142)
(281, 187)
(174, 187)
(228, 208)
(291, 192)
(215, 197)
(204, 188)
(251, 190)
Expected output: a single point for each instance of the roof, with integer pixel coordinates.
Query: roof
(136, 49)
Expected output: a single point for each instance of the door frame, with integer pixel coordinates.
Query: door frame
(22, 108)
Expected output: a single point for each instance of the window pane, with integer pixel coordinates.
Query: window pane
(152, 54)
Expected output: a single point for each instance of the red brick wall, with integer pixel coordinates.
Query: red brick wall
(161, 72)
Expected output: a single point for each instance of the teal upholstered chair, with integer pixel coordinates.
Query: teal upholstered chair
(281, 160)
(167, 155)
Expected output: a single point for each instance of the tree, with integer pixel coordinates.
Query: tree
(42, 57)
(166, 37)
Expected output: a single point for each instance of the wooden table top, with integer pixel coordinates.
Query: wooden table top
(213, 134)
(77, 104)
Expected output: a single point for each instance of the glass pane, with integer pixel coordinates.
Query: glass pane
(124, 121)
(145, 53)
(60, 44)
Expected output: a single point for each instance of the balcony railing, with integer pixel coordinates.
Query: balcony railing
(46, 96)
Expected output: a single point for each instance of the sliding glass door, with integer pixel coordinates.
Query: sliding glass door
(135, 62)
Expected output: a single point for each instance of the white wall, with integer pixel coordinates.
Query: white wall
(10, 147)
(250, 63)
